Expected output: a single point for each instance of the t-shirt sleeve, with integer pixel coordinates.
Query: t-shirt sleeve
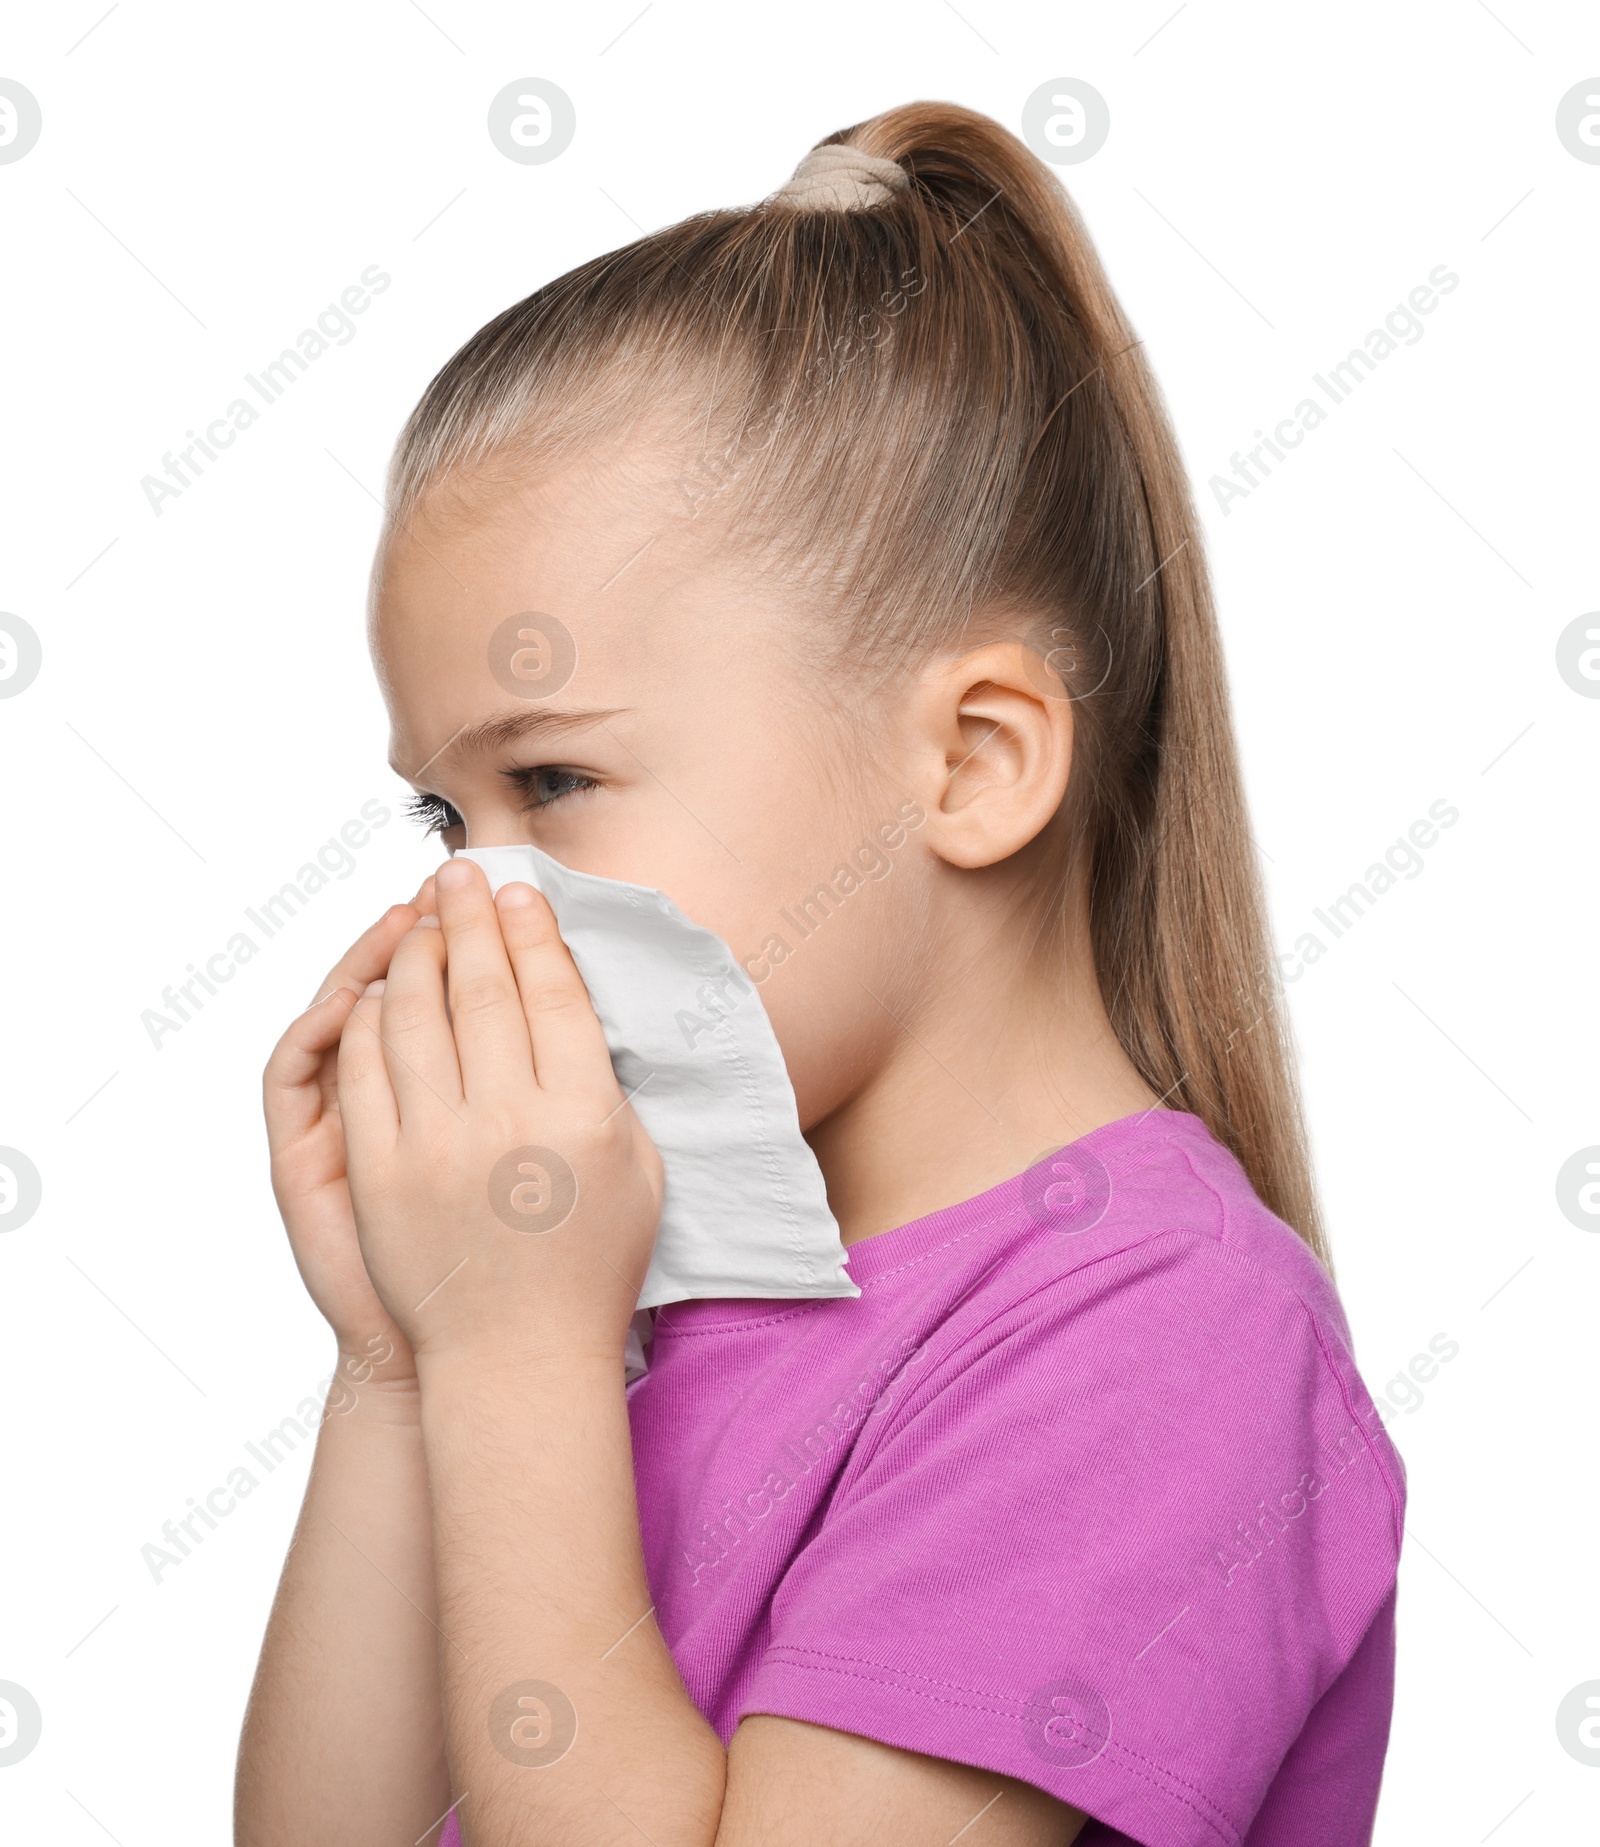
(1123, 1542)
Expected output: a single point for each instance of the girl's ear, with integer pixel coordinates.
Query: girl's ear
(993, 741)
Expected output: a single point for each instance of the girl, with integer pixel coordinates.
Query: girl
(1077, 1524)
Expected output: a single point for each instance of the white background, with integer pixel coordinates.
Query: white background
(1276, 179)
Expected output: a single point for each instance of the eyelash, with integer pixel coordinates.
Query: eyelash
(435, 814)
(432, 813)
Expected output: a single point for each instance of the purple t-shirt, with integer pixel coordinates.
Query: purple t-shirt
(1084, 1488)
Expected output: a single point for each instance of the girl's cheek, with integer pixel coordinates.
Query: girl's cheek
(822, 1032)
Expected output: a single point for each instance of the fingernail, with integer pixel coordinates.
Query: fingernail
(454, 873)
(374, 988)
(430, 922)
(514, 897)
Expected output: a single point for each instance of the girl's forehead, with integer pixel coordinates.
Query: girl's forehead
(507, 611)
(602, 538)
(606, 545)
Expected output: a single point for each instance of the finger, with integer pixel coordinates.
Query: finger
(367, 958)
(290, 1080)
(417, 1042)
(490, 1027)
(367, 1107)
(569, 1045)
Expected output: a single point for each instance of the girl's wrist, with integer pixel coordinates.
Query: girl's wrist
(376, 1373)
(392, 1404)
(527, 1379)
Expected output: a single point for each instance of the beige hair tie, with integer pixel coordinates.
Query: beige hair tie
(842, 178)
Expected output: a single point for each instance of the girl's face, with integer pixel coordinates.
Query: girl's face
(666, 729)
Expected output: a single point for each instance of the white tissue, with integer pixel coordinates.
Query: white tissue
(744, 1211)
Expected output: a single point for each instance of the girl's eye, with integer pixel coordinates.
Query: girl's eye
(542, 787)
(547, 784)
(433, 813)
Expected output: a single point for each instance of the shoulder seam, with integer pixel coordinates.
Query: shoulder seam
(1318, 1333)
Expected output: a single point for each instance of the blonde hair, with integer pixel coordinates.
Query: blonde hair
(933, 408)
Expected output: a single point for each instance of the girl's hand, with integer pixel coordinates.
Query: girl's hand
(300, 1089)
(505, 1193)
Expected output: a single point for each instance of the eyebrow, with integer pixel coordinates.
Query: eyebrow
(492, 734)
